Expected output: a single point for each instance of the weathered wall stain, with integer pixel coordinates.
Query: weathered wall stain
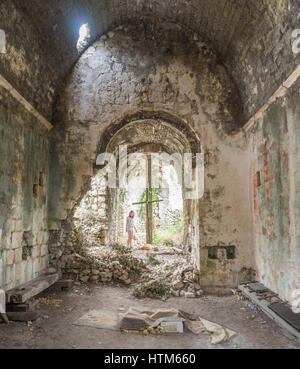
(275, 153)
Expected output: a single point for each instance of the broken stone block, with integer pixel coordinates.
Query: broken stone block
(124, 276)
(175, 293)
(187, 269)
(190, 295)
(105, 275)
(172, 326)
(85, 272)
(178, 285)
(94, 278)
(85, 279)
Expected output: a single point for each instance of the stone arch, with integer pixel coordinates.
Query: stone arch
(160, 115)
(156, 130)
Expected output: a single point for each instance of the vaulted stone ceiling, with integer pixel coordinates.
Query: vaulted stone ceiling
(251, 37)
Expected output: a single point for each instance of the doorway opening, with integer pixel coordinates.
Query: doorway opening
(159, 215)
(142, 171)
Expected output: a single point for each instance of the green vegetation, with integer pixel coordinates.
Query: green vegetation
(142, 211)
(210, 264)
(122, 196)
(168, 236)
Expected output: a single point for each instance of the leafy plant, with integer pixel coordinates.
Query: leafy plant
(142, 211)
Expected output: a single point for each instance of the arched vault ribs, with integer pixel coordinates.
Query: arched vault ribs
(159, 115)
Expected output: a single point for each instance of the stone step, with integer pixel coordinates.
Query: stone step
(21, 294)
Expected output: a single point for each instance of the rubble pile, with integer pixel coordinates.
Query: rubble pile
(186, 282)
(91, 226)
(102, 264)
(153, 289)
(169, 273)
(156, 272)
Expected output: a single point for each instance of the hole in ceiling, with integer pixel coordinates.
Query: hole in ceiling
(84, 37)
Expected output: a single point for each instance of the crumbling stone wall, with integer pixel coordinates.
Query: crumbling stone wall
(159, 68)
(90, 217)
(23, 194)
(275, 184)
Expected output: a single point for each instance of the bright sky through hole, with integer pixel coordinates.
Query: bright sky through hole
(84, 36)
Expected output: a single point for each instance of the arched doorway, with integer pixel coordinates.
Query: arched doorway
(150, 179)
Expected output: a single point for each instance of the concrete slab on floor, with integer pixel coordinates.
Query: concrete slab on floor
(265, 299)
(100, 319)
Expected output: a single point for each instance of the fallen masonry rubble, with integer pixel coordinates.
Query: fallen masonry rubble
(153, 272)
(102, 264)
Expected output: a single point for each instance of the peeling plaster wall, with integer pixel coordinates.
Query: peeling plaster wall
(275, 154)
(23, 186)
(159, 68)
(27, 64)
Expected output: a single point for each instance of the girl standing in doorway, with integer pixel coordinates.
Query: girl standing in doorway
(130, 227)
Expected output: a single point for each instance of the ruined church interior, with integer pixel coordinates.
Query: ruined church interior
(149, 174)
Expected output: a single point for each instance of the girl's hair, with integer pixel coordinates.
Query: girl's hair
(131, 212)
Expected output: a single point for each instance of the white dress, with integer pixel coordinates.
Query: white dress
(130, 223)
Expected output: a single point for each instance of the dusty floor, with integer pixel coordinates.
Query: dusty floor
(55, 328)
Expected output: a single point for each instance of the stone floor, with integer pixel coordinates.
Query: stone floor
(55, 328)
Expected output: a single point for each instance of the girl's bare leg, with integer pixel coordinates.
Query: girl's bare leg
(128, 240)
(130, 236)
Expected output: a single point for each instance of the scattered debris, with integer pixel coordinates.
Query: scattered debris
(219, 333)
(155, 272)
(103, 264)
(273, 306)
(153, 289)
(49, 301)
(155, 321)
(168, 273)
